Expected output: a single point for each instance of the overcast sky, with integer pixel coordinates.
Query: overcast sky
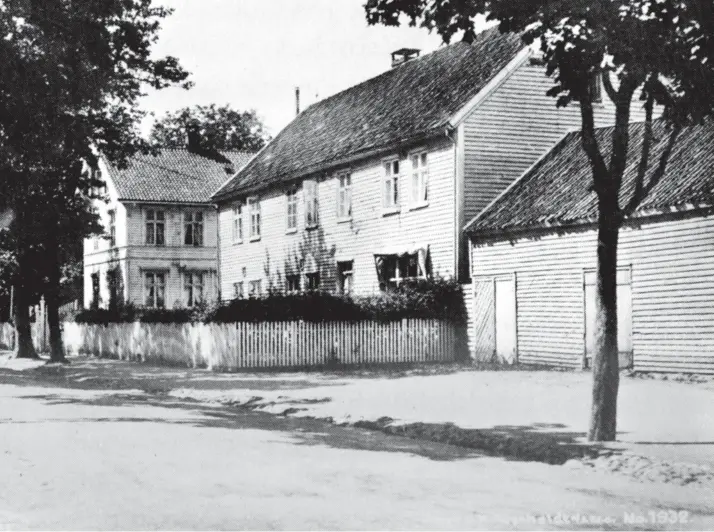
(252, 54)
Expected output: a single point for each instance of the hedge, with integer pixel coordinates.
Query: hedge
(426, 299)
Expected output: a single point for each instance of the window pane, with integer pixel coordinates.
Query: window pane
(423, 159)
(160, 216)
(415, 161)
(150, 234)
(395, 181)
(159, 234)
(150, 214)
(395, 168)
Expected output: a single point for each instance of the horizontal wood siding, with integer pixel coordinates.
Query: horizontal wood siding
(511, 129)
(672, 288)
(268, 344)
(277, 252)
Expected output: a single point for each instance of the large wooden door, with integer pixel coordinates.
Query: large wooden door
(506, 331)
(624, 315)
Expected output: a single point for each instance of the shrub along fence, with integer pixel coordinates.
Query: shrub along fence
(249, 345)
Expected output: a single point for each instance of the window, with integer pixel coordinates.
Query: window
(596, 87)
(344, 276)
(255, 288)
(291, 208)
(237, 223)
(112, 228)
(311, 203)
(420, 180)
(155, 289)
(193, 229)
(95, 243)
(113, 282)
(391, 185)
(193, 288)
(238, 289)
(155, 221)
(95, 291)
(312, 281)
(393, 269)
(254, 210)
(344, 196)
(292, 283)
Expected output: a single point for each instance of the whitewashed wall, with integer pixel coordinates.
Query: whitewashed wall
(357, 240)
(672, 289)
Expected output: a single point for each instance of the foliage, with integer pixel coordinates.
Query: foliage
(427, 299)
(220, 128)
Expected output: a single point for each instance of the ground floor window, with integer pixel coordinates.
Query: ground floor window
(155, 289)
(312, 281)
(344, 276)
(393, 269)
(238, 289)
(255, 288)
(292, 283)
(95, 290)
(193, 287)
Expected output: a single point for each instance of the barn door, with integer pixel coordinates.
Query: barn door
(624, 315)
(506, 334)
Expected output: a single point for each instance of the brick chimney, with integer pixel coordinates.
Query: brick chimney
(403, 55)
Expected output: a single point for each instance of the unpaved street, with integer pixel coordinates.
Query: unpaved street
(92, 459)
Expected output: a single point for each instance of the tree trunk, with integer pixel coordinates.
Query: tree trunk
(23, 328)
(606, 377)
(52, 302)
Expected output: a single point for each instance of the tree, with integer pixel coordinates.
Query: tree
(661, 50)
(220, 128)
(72, 74)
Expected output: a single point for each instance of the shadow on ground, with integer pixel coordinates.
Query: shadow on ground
(546, 443)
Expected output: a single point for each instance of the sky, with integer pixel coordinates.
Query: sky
(252, 54)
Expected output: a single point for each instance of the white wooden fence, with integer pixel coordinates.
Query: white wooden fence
(270, 344)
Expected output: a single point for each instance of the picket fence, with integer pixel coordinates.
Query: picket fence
(270, 344)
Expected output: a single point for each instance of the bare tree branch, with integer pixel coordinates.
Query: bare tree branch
(607, 83)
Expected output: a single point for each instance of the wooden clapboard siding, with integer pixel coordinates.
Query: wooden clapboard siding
(269, 258)
(672, 288)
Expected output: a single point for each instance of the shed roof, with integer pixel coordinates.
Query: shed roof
(406, 104)
(176, 175)
(557, 191)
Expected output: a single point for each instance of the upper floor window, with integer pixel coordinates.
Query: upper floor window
(155, 222)
(237, 227)
(112, 228)
(311, 203)
(420, 179)
(155, 289)
(193, 288)
(193, 229)
(344, 196)
(390, 198)
(291, 209)
(254, 210)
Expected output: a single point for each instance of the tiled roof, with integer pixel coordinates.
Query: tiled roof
(557, 191)
(175, 175)
(408, 103)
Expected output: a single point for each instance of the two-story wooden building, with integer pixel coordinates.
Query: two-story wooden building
(160, 248)
(374, 184)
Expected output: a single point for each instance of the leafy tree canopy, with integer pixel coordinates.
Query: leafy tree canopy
(219, 128)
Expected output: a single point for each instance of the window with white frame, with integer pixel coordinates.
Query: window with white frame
(255, 288)
(390, 184)
(394, 269)
(193, 288)
(254, 211)
(311, 203)
(193, 228)
(292, 283)
(344, 196)
(238, 289)
(237, 231)
(155, 289)
(155, 221)
(112, 228)
(291, 207)
(344, 276)
(420, 179)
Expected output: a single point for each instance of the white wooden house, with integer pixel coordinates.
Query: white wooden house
(374, 184)
(533, 260)
(159, 248)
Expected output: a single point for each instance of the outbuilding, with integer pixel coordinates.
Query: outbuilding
(533, 258)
